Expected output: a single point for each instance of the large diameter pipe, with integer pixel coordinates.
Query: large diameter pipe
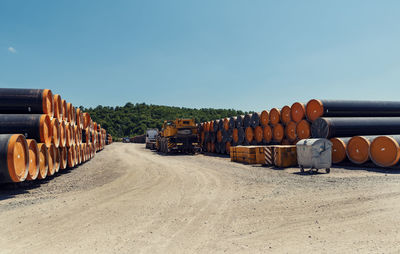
(290, 131)
(86, 121)
(342, 108)
(358, 148)
(26, 101)
(43, 160)
(63, 157)
(239, 121)
(70, 110)
(297, 111)
(226, 136)
(56, 131)
(215, 125)
(220, 125)
(303, 129)
(79, 118)
(255, 120)
(339, 146)
(247, 120)
(33, 126)
(384, 151)
(78, 155)
(34, 159)
(241, 136)
(325, 127)
(63, 134)
(264, 118)
(249, 134)
(14, 158)
(52, 160)
(226, 124)
(274, 116)
(219, 136)
(278, 132)
(235, 136)
(58, 107)
(64, 110)
(71, 153)
(267, 134)
(232, 121)
(286, 115)
(258, 134)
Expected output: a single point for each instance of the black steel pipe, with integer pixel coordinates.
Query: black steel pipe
(247, 120)
(226, 135)
(325, 127)
(221, 124)
(212, 137)
(32, 126)
(349, 108)
(26, 101)
(14, 158)
(239, 121)
(241, 136)
(255, 120)
(232, 122)
(216, 125)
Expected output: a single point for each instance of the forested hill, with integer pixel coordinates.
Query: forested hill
(134, 119)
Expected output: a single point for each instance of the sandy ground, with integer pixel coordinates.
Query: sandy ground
(132, 200)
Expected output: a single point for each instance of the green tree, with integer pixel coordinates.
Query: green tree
(134, 119)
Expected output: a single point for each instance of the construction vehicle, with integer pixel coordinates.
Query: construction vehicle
(179, 135)
(151, 136)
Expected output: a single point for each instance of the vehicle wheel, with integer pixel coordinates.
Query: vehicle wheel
(328, 170)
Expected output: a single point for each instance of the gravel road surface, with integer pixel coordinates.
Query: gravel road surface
(131, 200)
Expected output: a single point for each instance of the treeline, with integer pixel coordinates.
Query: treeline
(134, 119)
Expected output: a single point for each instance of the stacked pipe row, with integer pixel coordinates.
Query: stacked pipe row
(40, 133)
(360, 131)
(277, 126)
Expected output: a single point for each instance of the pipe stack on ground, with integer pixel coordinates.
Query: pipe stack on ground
(359, 130)
(267, 127)
(40, 134)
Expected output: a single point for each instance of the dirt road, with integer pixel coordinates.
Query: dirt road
(131, 200)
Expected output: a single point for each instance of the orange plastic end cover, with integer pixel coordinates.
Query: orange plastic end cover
(315, 109)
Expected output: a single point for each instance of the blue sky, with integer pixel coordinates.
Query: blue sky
(248, 55)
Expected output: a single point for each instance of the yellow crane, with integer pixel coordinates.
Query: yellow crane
(178, 135)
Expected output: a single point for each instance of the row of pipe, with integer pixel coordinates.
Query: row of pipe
(40, 133)
(359, 130)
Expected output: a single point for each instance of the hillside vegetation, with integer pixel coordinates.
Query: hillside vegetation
(134, 119)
